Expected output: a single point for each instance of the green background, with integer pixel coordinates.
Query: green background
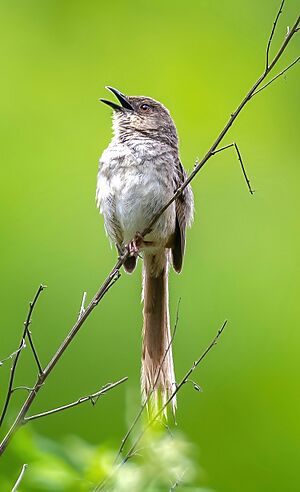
(242, 263)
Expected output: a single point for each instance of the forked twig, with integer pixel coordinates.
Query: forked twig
(183, 381)
(178, 387)
(240, 161)
(229, 123)
(16, 354)
(272, 33)
(277, 76)
(42, 376)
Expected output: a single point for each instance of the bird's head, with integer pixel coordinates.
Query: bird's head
(140, 116)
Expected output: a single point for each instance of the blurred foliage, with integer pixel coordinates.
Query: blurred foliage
(162, 461)
(199, 58)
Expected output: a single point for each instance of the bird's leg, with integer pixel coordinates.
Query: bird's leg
(137, 244)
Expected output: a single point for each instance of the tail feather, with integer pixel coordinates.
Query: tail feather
(158, 378)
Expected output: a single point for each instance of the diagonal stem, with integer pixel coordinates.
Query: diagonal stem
(93, 398)
(19, 420)
(227, 126)
(184, 380)
(20, 477)
(276, 76)
(145, 403)
(272, 33)
(178, 387)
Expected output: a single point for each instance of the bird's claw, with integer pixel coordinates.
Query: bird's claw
(136, 244)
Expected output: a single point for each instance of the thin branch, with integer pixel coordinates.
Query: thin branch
(18, 351)
(27, 388)
(276, 76)
(222, 148)
(243, 168)
(28, 332)
(35, 355)
(92, 398)
(19, 420)
(184, 380)
(178, 387)
(228, 125)
(145, 403)
(15, 487)
(272, 33)
(240, 161)
(14, 353)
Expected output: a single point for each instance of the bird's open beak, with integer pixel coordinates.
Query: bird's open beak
(125, 104)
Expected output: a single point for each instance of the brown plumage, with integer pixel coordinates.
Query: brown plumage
(138, 174)
(157, 357)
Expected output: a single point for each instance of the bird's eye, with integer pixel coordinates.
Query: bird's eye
(145, 107)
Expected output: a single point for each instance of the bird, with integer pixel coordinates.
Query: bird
(138, 173)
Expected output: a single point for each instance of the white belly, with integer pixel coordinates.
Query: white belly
(137, 201)
(136, 189)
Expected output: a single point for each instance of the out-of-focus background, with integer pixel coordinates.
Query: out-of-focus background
(242, 260)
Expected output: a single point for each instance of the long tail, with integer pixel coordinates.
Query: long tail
(158, 378)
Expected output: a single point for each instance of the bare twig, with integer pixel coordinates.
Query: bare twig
(18, 351)
(243, 168)
(92, 398)
(27, 388)
(35, 355)
(28, 332)
(228, 125)
(19, 420)
(145, 403)
(15, 487)
(240, 161)
(178, 387)
(272, 33)
(276, 76)
(184, 380)
(14, 353)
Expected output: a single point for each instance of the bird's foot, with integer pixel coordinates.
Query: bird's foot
(136, 244)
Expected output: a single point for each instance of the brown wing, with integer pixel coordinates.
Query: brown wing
(184, 205)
